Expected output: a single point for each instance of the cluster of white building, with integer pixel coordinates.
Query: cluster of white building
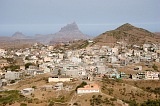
(82, 63)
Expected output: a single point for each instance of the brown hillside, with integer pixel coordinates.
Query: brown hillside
(127, 33)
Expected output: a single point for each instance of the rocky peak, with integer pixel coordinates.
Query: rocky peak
(70, 27)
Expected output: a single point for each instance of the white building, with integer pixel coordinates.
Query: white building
(9, 75)
(59, 86)
(149, 75)
(76, 60)
(27, 91)
(115, 51)
(112, 59)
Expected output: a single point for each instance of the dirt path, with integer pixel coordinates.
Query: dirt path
(74, 97)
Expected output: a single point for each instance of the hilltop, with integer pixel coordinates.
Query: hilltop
(127, 33)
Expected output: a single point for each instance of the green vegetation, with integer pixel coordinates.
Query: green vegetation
(59, 72)
(10, 60)
(131, 102)
(84, 45)
(151, 103)
(155, 90)
(81, 85)
(12, 67)
(102, 57)
(28, 64)
(9, 97)
(27, 58)
(155, 67)
(12, 81)
(110, 90)
(115, 33)
(23, 104)
(60, 99)
(99, 100)
(51, 103)
(34, 87)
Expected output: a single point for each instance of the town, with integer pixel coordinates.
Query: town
(88, 65)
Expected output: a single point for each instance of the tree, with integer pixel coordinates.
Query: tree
(12, 81)
(81, 85)
(59, 72)
(27, 65)
(133, 54)
(155, 67)
(12, 67)
(151, 103)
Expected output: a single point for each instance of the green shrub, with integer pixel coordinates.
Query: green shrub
(23, 104)
(51, 103)
(81, 85)
(151, 103)
(155, 67)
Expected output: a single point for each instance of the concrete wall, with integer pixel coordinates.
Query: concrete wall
(87, 91)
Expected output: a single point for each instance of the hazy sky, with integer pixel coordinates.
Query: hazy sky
(92, 16)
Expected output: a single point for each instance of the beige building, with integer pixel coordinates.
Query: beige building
(59, 79)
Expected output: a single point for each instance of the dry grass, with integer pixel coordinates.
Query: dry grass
(125, 90)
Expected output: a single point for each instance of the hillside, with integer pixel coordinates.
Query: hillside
(114, 92)
(8, 43)
(127, 33)
(157, 33)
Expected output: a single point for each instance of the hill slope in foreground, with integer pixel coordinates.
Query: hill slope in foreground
(127, 33)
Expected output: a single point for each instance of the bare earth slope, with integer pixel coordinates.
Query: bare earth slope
(129, 34)
(17, 40)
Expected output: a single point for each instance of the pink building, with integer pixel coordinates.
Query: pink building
(91, 88)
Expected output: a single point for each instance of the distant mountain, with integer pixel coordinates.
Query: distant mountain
(69, 32)
(127, 33)
(70, 27)
(19, 35)
(17, 40)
